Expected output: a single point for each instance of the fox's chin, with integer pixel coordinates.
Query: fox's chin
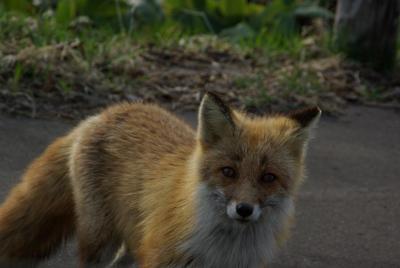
(240, 224)
(245, 221)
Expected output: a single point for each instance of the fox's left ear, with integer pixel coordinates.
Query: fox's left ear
(307, 119)
(215, 120)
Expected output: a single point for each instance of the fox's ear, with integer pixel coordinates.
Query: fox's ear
(215, 119)
(306, 118)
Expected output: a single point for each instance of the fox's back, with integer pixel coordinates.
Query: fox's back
(130, 135)
(133, 128)
(132, 131)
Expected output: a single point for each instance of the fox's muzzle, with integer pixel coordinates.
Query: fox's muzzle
(243, 211)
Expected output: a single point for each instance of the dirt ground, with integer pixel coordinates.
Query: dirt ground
(348, 211)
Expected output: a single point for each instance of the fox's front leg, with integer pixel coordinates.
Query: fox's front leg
(123, 259)
(151, 253)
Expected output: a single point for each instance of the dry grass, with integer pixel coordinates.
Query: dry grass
(74, 78)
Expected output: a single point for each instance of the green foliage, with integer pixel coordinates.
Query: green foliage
(100, 11)
(147, 13)
(211, 15)
(313, 11)
(372, 93)
(273, 26)
(239, 32)
(22, 6)
(66, 10)
(110, 11)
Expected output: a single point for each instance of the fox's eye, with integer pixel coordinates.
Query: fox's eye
(268, 177)
(228, 172)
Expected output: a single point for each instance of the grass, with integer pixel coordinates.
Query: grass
(18, 73)
(44, 29)
(60, 65)
(373, 94)
(300, 81)
(245, 82)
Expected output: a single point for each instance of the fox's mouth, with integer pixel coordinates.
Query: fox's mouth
(243, 221)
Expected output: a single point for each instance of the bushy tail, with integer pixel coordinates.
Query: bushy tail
(38, 214)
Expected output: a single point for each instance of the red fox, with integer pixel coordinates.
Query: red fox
(138, 177)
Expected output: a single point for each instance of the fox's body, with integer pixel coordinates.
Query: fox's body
(137, 176)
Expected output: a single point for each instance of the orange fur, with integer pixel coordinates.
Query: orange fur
(135, 171)
(39, 213)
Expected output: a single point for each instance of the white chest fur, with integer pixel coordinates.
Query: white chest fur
(222, 242)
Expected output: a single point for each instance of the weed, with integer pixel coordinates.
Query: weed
(373, 94)
(18, 73)
(64, 86)
(300, 81)
(244, 82)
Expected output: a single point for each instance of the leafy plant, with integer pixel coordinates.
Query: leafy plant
(18, 73)
(100, 11)
(271, 26)
(111, 11)
(23, 6)
(211, 15)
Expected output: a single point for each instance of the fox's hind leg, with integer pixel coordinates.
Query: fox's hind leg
(95, 228)
(97, 241)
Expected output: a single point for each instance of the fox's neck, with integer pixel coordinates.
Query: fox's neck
(178, 197)
(217, 241)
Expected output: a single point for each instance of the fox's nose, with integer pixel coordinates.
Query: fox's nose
(244, 209)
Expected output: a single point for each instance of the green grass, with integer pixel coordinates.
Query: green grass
(300, 81)
(257, 84)
(18, 73)
(373, 94)
(46, 28)
(102, 57)
(244, 82)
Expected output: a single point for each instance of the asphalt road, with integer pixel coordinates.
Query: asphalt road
(348, 213)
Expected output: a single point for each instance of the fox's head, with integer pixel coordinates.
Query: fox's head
(250, 165)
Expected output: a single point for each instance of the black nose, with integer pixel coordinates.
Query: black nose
(244, 209)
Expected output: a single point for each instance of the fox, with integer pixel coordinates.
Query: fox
(138, 181)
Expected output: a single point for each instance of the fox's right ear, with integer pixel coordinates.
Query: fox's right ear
(307, 120)
(308, 117)
(215, 120)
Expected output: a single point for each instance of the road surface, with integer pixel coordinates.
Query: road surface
(348, 214)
